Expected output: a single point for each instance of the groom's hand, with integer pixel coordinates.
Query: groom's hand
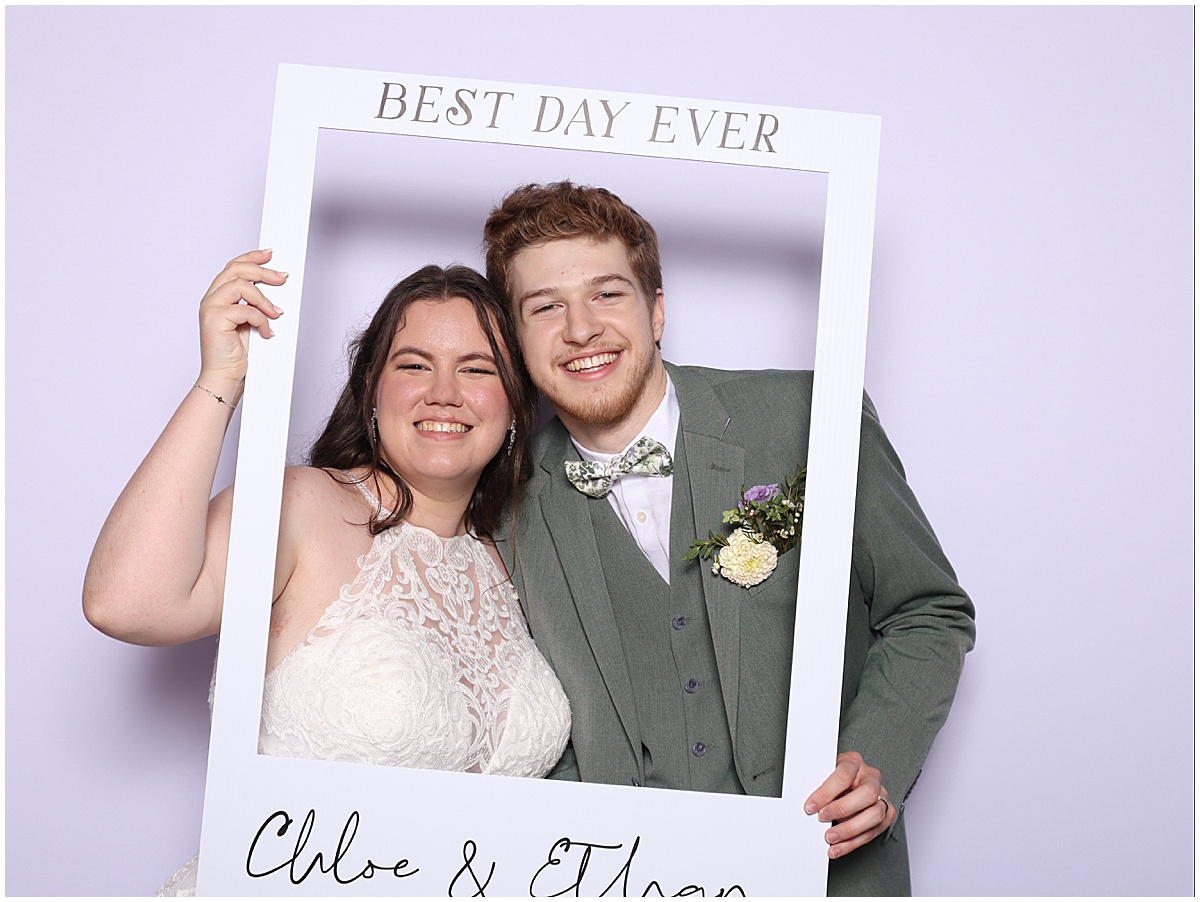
(855, 801)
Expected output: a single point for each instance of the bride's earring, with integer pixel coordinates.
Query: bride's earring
(512, 437)
(374, 425)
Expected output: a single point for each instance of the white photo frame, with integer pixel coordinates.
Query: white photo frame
(390, 831)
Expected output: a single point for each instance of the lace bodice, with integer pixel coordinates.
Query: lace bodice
(424, 660)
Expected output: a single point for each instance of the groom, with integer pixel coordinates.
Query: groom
(677, 677)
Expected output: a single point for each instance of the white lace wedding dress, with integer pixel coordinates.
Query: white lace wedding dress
(425, 661)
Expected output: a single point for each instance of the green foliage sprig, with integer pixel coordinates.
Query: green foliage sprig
(767, 513)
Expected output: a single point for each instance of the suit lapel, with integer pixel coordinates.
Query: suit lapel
(716, 474)
(569, 521)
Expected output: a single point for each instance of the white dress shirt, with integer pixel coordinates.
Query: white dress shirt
(643, 503)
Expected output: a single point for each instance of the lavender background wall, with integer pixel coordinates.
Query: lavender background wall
(1031, 353)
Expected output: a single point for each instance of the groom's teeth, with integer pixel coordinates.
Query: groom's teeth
(590, 363)
(434, 426)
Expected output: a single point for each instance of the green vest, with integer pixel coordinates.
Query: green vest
(667, 642)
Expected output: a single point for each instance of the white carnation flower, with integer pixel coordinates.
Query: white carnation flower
(746, 561)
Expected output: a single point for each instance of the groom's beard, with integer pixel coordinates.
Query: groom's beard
(612, 402)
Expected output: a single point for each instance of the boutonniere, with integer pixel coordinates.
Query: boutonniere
(766, 523)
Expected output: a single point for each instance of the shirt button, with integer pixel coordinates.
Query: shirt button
(691, 686)
(641, 516)
(679, 622)
(698, 749)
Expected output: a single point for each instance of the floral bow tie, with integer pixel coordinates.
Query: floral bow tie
(645, 458)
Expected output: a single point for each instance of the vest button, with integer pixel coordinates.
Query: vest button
(679, 622)
(698, 749)
(691, 686)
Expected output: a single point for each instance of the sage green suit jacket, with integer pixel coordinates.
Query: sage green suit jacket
(909, 624)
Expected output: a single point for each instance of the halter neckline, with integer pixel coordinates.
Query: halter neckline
(384, 513)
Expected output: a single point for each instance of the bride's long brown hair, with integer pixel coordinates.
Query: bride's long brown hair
(348, 440)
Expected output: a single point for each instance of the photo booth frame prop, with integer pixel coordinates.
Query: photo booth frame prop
(289, 826)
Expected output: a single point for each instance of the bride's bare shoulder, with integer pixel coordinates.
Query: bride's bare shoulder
(316, 494)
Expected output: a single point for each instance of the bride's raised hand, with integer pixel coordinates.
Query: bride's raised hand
(232, 306)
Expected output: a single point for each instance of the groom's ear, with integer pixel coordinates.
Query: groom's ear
(658, 318)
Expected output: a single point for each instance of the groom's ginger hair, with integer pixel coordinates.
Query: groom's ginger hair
(534, 214)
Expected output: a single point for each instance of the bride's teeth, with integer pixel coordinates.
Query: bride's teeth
(432, 426)
(590, 363)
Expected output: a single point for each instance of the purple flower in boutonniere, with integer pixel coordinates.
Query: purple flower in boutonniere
(767, 522)
(758, 493)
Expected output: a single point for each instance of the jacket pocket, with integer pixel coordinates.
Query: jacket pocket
(786, 569)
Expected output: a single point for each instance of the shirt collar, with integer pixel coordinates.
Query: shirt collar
(662, 426)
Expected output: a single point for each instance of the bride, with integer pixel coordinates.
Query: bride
(396, 636)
